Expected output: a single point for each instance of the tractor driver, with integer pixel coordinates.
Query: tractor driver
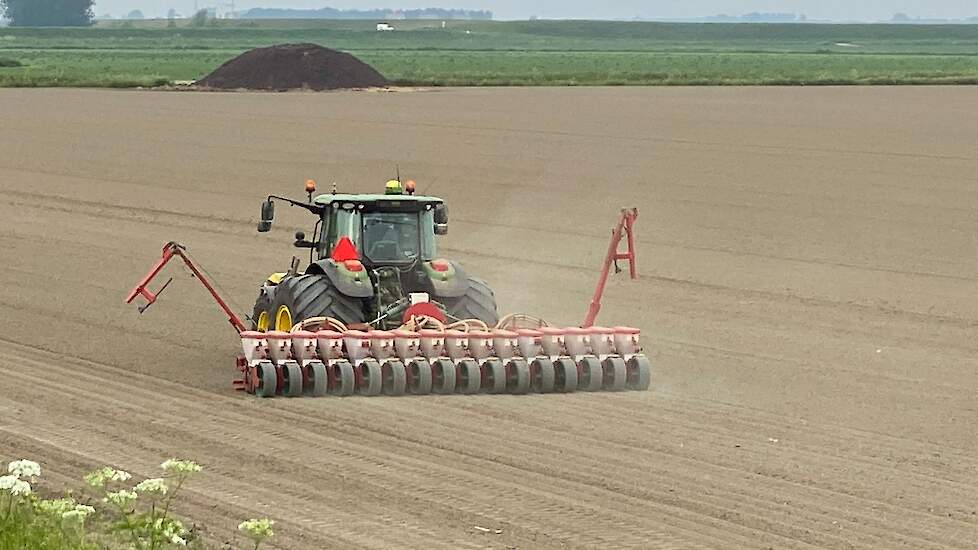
(390, 237)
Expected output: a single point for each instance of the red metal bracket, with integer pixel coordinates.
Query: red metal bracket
(170, 250)
(623, 229)
(247, 382)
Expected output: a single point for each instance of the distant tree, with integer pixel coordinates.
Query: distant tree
(47, 13)
(199, 19)
(135, 14)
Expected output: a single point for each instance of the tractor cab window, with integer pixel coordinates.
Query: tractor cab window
(391, 237)
(339, 223)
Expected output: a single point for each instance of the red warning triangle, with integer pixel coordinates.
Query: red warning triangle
(344, 250)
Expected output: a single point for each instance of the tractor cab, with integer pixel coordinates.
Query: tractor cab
(396, 228)
(385, 229)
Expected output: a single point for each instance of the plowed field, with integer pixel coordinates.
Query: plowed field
(807, 262)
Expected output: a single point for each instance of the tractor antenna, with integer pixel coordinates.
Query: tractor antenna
(428, 187)
(397, 172)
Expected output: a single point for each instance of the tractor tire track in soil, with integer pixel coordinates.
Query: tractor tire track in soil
(806, 299)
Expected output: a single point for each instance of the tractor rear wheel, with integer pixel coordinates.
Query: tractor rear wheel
(303, 297)
(479, 302)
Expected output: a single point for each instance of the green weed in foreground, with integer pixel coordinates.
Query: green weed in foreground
(132, 516)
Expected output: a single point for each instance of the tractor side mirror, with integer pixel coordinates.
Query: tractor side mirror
(267, 215)
(441, 219)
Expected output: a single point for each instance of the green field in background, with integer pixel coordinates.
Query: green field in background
(421, 53)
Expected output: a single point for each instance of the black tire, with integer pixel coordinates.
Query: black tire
(292, 378)
(615, 373)
(479, 303)
(395, 377)
(319, 380)
(267, 379)
(371, 377)
(639, 373)
(542, 375)
(443, 376)
(420, 379)
(309, 296)
(343, 380)
(566, 371)
(592, 374)
(518, 381)
(263, 304)
(495, 375)
(468, 377)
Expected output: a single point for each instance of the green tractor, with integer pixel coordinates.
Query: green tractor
(372, 262)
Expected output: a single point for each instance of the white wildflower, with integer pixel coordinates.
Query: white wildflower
(120, 498)
(73, 515)
(19, 487)
(25, 468)
(257, 529)
(56, 506)
(15, 485)
(7, 482)
(95, 479)
(78, 513)
(99, 478)
(119, 475)
(171, 530)
(155, 485)
(176, 466)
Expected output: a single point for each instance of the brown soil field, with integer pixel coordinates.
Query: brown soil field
(807, 265)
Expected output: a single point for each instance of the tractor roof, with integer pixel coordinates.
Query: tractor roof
(374, 199)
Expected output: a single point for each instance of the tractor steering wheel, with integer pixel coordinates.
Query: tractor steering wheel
(388, 251)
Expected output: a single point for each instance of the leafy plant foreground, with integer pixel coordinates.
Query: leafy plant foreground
(120, 513)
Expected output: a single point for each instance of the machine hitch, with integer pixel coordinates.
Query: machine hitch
(170, 250)
(622, 230)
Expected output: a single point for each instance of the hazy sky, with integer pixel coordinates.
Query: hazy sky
(593, 9)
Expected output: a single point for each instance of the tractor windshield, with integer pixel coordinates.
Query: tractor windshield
(391, 237)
